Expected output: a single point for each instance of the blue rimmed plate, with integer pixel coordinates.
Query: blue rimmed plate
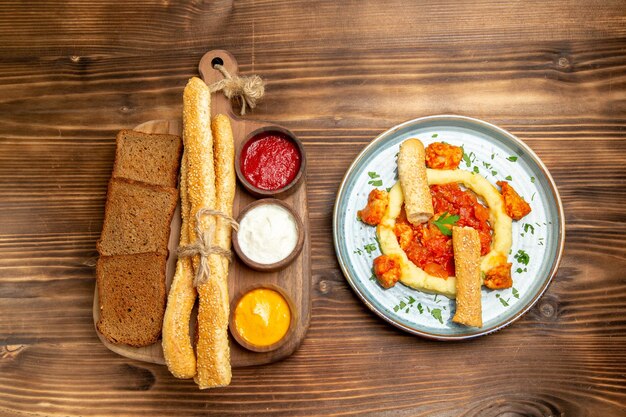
(497, 155)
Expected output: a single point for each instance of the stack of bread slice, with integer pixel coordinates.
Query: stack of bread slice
(141, 200)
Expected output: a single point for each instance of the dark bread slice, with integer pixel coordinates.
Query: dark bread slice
(149, 158)
(137, 218)
(131, 291)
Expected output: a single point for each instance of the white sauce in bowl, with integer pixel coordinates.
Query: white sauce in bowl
(267, 234)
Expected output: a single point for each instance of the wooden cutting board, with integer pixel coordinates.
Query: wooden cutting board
(294, 280)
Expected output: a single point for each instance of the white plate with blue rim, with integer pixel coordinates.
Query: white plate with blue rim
(490, 151)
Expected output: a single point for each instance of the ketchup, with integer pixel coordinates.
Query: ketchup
(270, 161)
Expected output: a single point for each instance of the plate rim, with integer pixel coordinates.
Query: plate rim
(553, 188)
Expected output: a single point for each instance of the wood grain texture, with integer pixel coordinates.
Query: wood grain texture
(338, 73)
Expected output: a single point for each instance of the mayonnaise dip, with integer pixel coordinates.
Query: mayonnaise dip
(267, 234)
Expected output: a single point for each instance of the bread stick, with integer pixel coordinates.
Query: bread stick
(466, 246)
(213, 352)
(180, 357)
(412, 172)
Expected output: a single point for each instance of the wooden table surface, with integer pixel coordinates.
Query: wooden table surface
(338, 73)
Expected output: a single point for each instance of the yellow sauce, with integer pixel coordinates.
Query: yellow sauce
(262, 317)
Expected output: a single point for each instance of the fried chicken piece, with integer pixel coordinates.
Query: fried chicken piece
(376, 207)
(440, 155)
(387, 270)
(499, 277)
(404, 234)
(514, 205)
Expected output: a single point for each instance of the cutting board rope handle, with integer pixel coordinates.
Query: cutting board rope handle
(247, 89)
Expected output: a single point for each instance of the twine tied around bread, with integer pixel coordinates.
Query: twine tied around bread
(203, 247)
(247, 89)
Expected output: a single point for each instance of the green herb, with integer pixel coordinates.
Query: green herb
(411, 300)
(532, 179)
(420, 308)
(504, 303)
(396, 308)
(519, 270)
(486, 165)
(369, 248)
(467, 160)
(388, 189)
(445, 223)
(509, 178)
(493, 155)
(374, 181)
(533, 197)
(436, 313)
(515, 293)
(494, 173)
(402, 304)
(522, 257)
(528, 227)
(476, 170)
(435, 135)
(373, 278)
(358, 252)
(512, 158)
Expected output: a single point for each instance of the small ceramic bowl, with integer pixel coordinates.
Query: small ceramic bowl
(255, 348)
(283, 262)
(287, 189)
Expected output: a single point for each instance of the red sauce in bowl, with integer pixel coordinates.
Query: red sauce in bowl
(426, 246)
(270, 161)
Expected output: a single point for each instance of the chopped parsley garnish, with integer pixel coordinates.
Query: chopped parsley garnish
(375, 179)
(512, 158)
(420, 308)
(493, 155)
(435, 135)
(476, 170)
(527, 227)
(519, 270)
(445, 223)
(522, 257)
(436, 313)
(504, 303)
(515, 293)
(369, 248)
(467, 160)
(358, 252)
(494, 173)
(532, 179)
(509, 178)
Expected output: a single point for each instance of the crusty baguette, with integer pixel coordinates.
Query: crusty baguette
(213, 353)
(177, 348)
(198, 142)
(418, 202)
(466, 246)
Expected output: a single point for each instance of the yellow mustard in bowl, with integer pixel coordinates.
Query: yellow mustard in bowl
(262, 317)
